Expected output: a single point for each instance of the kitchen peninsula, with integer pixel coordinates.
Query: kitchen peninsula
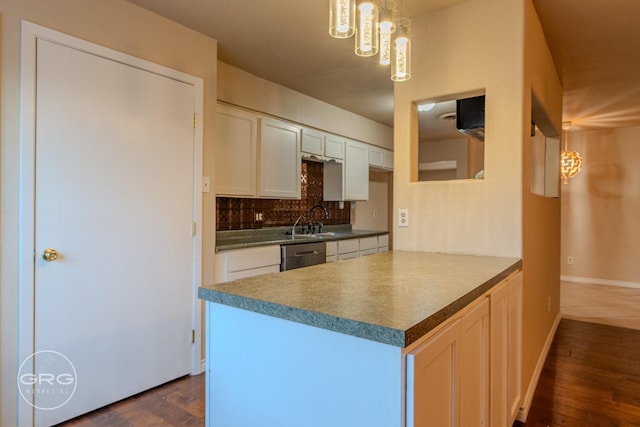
(351, 343)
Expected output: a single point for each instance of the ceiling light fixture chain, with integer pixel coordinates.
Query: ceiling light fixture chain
(377, 30)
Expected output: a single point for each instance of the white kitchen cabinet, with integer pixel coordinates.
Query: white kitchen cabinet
(376, 156)
(383, 243)
(332, 251)
(368, 246)
(380, 158)
(348, 249)
(356, 171)
(506, 338)
(279, 160)
(236, 145)
(348, 180)
(241, 263)
(312, 144)
(334, 147)
(387, 162)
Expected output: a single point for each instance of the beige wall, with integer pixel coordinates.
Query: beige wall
(240, 88)
(496, 45)
(475, 45)
(601, 207)
(119, 25)
(373, 214)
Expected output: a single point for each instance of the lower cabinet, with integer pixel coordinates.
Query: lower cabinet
(447, 376)
(468, 372)
(241, 263)
(353, 248)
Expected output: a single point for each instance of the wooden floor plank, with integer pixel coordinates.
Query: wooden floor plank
(591, 378)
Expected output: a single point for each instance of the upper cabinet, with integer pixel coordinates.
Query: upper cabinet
(256, 156)
(317, 145)
(236, 150)
(279, 160)
(356, 171)
(259, 156)
(380, 158)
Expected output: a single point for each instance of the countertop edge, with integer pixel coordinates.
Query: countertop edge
(351, 327)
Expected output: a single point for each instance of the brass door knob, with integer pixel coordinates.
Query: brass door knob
(50, 254)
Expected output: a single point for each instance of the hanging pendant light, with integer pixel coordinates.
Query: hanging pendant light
(401, 52)
(342, 18)
(570, 161)
(387, 27)
(367, 29)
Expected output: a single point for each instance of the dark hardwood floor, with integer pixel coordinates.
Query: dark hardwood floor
(178, 403)
(591, 378)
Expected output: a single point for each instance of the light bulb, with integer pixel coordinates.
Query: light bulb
(367, 33)
(385, 42)
(401, 63)
(342, 18)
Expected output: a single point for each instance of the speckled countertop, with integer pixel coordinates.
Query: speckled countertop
(393, 298)
(239, 239)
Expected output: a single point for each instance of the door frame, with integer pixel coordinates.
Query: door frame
(30, 33)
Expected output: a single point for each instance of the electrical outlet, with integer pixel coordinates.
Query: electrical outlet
(403, 217)
(570, 260)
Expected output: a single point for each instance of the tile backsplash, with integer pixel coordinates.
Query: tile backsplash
(237, 213)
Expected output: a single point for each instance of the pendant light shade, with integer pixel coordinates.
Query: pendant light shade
(401, 52)
(387, 27)
(342, 18)
(570, 160)
(367, 29)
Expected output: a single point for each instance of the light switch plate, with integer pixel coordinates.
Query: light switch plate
(403, 217)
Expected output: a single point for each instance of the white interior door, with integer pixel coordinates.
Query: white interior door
(115, 198)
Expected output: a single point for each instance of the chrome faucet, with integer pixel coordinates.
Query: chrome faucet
(310, 227)
(293, 229)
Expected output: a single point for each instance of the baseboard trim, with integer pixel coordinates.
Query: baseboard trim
(605, 282)
(523, 412)
(203, 365)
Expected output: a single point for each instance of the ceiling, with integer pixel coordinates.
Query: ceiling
(594, 43)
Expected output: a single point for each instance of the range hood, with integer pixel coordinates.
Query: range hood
(470, 116)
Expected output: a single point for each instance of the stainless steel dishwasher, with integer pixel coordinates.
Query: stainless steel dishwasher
(302, 255)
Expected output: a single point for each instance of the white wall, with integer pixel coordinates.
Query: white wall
(373, 214)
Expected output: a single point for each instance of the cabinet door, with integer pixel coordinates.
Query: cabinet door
(431, 381)
(376, 156)
(279, 160)
(473, 367)
(387, 161)
(334, 147)
(356, 180)
(514, 356)
(313, 143)
(499, 355)
(235, 152)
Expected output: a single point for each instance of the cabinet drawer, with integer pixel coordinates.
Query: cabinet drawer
(383, 241)
(369, 252)
(312, 142)
(348, 246)
(348, 255)
(367, 243)
(376, 156)
(247, 259)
